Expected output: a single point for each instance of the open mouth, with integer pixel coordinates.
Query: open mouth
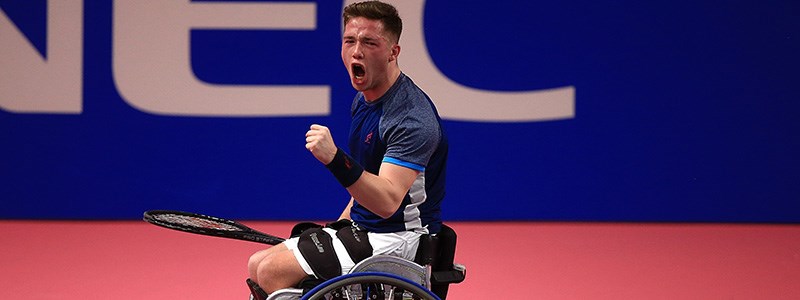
(358, 70)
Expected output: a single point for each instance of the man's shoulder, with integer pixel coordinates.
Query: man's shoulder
(408, 97)
(407, 88)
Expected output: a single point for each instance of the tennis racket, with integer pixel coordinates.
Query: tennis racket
(208, 225)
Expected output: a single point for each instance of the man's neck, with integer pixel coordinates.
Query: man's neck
(378, 92)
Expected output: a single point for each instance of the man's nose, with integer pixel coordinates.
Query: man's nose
(357, 51)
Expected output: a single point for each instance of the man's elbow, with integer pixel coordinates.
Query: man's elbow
(387, 211)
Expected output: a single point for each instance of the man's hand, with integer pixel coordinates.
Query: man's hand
(320, 142)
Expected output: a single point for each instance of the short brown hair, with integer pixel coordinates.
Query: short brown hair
(376, 10)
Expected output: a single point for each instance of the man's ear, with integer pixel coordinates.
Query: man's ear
(395, 53)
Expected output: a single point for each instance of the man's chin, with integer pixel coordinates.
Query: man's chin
(358, 85)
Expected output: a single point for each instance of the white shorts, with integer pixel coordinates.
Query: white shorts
(402, 244)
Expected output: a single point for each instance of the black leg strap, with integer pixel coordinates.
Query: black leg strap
(316, 245)
(299, 228)
(356, 242)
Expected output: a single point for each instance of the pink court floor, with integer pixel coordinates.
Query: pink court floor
(135, 260)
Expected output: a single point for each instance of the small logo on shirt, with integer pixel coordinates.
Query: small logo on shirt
(368, 140)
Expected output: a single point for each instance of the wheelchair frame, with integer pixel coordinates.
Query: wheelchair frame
(390, 277)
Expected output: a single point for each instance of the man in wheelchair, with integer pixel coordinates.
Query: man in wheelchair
(394, 172)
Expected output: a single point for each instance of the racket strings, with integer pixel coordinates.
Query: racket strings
(196, 222)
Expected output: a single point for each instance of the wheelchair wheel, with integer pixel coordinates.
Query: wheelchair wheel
(369, 286)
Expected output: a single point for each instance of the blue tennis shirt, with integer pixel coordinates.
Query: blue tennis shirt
(402, 127)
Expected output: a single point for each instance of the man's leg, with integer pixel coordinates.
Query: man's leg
(275, 268)
(255, 260)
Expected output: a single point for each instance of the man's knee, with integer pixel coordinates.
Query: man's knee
(256, 258)
(279, 270)
(253, 262)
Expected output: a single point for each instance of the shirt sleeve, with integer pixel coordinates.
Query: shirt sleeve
(412, 140)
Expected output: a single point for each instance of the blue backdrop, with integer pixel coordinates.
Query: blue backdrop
(683, 111)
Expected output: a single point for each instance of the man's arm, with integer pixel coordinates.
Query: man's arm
(381, 194)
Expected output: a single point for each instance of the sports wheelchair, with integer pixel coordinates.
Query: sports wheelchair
(384, 277)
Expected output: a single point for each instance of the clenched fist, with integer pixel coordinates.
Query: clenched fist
(320, 142)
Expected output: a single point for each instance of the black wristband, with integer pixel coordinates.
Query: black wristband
(344, 168)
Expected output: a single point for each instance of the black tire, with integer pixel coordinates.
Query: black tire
(363, 286)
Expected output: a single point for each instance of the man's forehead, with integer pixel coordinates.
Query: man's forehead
(364, 27)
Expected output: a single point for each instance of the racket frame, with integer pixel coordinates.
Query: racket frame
(241, 232)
